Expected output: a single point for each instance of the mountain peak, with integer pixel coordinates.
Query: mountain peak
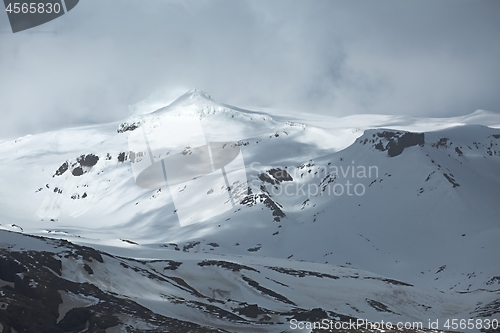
(166, 98)
(196, 94)
(192, 96)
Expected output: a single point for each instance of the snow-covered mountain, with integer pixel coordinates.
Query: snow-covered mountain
(369, 216)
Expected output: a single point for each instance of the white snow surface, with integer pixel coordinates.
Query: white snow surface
(428, 217)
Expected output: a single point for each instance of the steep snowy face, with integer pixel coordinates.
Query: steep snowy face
(86, 173)
(410, 203)
(431, 206)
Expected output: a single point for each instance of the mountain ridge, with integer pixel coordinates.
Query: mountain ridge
(416, 206)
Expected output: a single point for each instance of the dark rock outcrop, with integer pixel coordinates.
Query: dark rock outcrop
(88, 160)
(125, 127)
(398, 141)
(62, 169)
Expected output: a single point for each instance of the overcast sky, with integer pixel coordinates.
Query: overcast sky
(429, 58)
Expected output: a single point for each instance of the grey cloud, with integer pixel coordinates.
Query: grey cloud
(413, 57)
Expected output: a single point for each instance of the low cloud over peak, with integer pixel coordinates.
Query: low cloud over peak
(417, 58)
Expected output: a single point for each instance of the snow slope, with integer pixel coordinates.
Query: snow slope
(421, 206)
(82, 289)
